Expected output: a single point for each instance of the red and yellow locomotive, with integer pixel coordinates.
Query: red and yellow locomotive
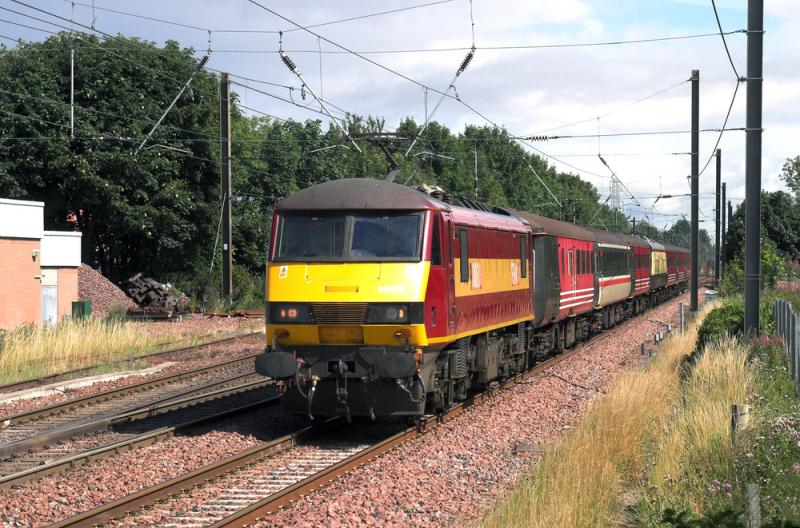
(382, 300)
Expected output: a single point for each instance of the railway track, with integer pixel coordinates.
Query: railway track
(272, 475)
(38, 427)
(137, 429)
(75, 373)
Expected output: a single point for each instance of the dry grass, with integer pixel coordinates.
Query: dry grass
(36, 351)
(697, 449)
(580, 483)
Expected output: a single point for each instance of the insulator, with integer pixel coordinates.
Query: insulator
(537, 138)
(203, 62)
(288, 61)
(466, 61)
(303, 92)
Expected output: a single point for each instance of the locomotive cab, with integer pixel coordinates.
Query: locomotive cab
(346, 284)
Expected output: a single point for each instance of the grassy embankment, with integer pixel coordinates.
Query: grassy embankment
(658, 446)
(34, 351)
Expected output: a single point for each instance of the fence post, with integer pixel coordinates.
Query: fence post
(740, 417)
(683, 318)
(796, 355)
(753, 506)
(774, 314)
(791, 343)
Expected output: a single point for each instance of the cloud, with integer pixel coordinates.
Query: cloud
(525, 90)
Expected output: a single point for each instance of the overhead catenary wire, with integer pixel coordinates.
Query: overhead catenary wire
(293, 68)
(724, 41)
(112, 37)
(735, 89)
(452, 86)
(618, 109)
(620, 134)
(92, 135)
(112, 53)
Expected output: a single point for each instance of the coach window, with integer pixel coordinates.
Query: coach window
(523, 258)
(436, 245)
(464, 255)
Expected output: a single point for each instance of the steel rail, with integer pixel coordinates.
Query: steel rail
(62, 407)
(147, 496)
(276, 501)
(65, 376)
(170, 403)
(140, 440)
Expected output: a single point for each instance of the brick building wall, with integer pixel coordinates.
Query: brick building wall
(20, 293)
(67, 291)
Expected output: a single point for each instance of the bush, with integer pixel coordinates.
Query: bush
(728, 320)
(117, 312)
(773, 268)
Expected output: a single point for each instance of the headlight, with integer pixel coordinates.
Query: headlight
(290, 313)
(388, 313)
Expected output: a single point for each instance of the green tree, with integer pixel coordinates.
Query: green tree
(791, 175)
(779, 222)
(147, 212)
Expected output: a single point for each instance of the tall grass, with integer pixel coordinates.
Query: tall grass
(697, 453)
(34, 351)
(581, 482)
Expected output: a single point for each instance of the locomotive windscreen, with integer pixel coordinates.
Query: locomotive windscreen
(349, 237)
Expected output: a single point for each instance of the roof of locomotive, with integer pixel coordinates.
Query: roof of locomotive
(549, 226)
(359, 193)
(355, 194)
(657, 246)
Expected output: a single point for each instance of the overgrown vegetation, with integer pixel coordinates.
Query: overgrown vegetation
(34, 351)
(773, 269)
(692, 466)
(580, 483)
(727, 320)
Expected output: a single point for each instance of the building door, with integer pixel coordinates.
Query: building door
(49, 296)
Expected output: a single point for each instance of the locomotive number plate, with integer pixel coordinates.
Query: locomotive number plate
(341, 335)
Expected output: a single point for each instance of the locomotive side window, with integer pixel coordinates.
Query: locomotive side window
(464, 255)
(436, 245)
(523, 258)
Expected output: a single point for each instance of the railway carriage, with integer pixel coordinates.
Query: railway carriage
(385, 301)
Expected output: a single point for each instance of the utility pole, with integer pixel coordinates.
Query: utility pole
(693, 304)
(730, 213)
(723, 231)
(225, 182)
(475, 153)
(718, 217)
(752, 229)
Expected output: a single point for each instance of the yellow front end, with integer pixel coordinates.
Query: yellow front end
(340, 295)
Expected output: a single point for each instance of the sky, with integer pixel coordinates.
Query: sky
(529, 91)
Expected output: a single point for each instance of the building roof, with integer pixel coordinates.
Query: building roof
(21, 219)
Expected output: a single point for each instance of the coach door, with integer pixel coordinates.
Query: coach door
(450, 271)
